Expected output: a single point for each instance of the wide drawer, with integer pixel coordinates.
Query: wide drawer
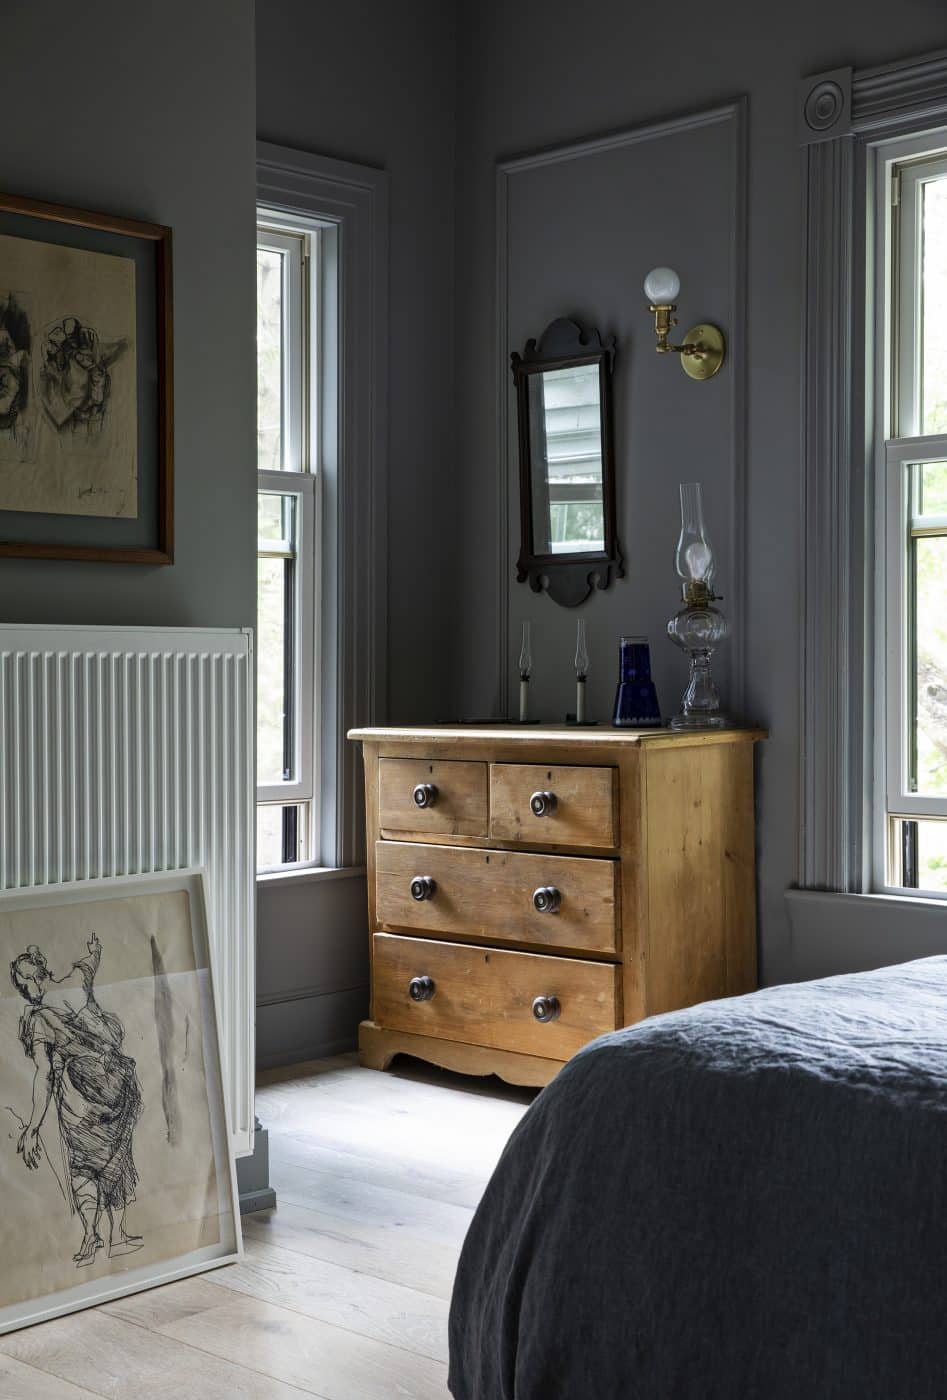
(563, 901)
(423, 795)
(485, 996)
(549, 806)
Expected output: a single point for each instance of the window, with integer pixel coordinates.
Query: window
(288, 503)
(911, 443)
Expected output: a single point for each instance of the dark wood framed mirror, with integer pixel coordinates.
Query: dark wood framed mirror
(568, 535)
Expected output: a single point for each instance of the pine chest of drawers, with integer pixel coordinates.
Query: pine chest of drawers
(531, 888)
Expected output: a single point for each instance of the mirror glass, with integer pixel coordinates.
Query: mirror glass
(565, 449)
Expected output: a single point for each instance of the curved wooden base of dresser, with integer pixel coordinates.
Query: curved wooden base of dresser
(377, 1048)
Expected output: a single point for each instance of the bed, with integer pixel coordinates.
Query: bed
(744, 1199)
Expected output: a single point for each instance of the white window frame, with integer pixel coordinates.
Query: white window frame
(349, 203)
(299, 477)
(901, 168)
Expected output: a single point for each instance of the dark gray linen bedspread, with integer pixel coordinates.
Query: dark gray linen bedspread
(744, 1199)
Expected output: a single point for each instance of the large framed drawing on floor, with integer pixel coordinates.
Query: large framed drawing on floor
(115, 1161)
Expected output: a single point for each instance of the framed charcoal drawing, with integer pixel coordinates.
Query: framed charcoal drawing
(115, 1160)
(86, 414)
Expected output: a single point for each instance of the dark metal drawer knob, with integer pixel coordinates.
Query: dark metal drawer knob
(421, 988)
(543, 804)
(546, 1009)
(547, 900)
(425, 795)
(423, 887)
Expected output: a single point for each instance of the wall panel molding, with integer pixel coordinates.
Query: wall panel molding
(734, 116)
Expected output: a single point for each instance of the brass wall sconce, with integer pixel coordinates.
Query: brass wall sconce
(704, 348)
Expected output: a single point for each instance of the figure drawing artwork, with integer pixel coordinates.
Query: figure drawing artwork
(68, 395)
(115, 1159)
(86, 1095)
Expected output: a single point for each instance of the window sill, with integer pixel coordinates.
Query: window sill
(308, 874)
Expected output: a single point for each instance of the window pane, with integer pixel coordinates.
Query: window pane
(271, 664)
(930, 664)
(269, 837)
(282, 834)
(919, 854)
(934, 301)
(932, 488)
(269, 354)
(270, 525)
(932, 855)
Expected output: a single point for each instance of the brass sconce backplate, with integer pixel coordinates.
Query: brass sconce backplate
(709, 342)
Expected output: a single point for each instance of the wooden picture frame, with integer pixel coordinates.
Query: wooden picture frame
(145, 535)
(129, 1179)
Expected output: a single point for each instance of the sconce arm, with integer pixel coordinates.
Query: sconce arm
(703, 349)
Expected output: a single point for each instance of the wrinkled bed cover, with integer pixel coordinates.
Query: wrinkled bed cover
(744, 1199)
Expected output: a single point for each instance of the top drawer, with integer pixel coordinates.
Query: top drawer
(550, 806)
(421, 794)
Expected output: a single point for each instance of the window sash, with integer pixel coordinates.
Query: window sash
(902, 169)
(297, 477)
(294, 249)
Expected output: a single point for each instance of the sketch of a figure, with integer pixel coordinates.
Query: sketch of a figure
(94, 1092)
(15, 341)
(74, 378)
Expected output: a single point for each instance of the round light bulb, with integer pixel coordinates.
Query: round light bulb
(661, 286)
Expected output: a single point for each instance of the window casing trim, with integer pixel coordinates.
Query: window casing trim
(350, 202)
(837, 738)
(897, 170)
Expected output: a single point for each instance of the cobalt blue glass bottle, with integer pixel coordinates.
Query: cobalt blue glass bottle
(636, 700)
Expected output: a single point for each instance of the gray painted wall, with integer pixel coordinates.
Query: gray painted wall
(542, 73)
(374, 83)
(150, 114)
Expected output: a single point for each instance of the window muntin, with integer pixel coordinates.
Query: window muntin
(286, 535)
(911, 844)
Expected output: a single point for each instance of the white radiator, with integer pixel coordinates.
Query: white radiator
(129, 750)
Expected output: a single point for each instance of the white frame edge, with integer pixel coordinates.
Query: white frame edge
(201, 1261)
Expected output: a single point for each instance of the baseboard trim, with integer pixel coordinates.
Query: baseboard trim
(309, 1028)
(252, 1201)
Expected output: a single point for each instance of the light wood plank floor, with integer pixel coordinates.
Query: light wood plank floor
(344, 1290)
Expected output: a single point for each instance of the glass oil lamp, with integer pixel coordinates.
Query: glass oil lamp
(698, 628)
